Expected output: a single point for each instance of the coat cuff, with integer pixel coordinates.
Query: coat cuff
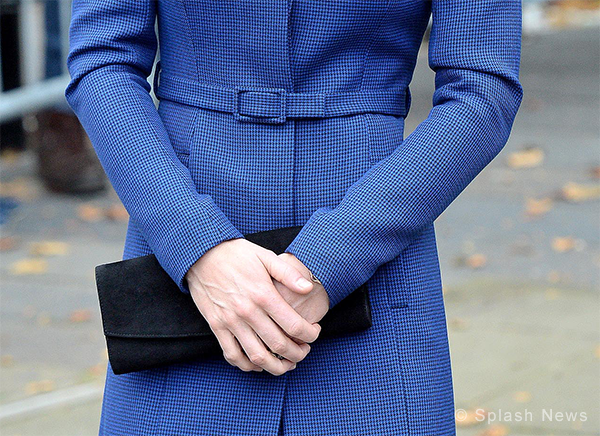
(191, 237)
(327, 247)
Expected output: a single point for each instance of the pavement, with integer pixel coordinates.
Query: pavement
(519, 251)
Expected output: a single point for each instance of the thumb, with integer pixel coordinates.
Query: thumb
(286, 274)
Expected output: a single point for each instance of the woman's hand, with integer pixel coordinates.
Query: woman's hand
(311, 306)
(232, 286)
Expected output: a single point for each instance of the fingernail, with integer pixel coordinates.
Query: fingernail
(303, 283)
(293, 366)
(305, 347)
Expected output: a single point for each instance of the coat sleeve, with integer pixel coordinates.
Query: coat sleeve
(112, 50)
(474, 49)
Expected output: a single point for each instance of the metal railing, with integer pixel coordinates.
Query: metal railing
(37, 92)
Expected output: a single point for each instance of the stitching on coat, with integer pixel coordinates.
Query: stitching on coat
(189, 34)
(368, 49)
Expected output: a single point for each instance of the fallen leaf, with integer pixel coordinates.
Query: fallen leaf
(476, 261)
(90, 213)
(43, 319)
(10, 156)
(80, 315)
(495, 430)
(577, 192)
(49, 248)
(458, 324)
(116, 212)
(522, 397)
(529, 157)
(563, 244)
(29, 266)
(37, 387)
(470, 418)
(552, 294)
(537, 207)
(595, 172)
(7, 360)
(597, 353)
(554, 276)
(20, 188)
(97, 370)
(8, 243)
(533, 104)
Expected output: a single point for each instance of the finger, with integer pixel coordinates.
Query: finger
(232, 351)
(285, 273)
(291, 321)
(275, 339)
(258, 353)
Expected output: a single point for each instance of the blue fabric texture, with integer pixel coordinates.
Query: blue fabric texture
(275, 113)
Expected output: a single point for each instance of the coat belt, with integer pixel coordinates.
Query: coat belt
(275, 105)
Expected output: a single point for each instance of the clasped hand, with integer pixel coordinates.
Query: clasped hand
(258, 303)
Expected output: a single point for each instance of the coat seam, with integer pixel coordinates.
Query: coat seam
(370, 45)
(189, 35)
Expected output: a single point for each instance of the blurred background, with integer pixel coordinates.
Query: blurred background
(519, 248)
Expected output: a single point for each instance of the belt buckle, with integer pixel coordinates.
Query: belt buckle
(278, 119)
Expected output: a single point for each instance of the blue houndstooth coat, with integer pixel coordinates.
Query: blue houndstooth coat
(291, 112)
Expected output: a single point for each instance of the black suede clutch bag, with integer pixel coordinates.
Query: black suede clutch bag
(148, 322)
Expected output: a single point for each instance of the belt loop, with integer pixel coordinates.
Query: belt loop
(156, 74)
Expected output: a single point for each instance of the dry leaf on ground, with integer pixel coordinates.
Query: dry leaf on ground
(7, 360)
(476, 260)
(495, 430)
(43, 319)
(458, 324)
(551, 294)
(37, 387)
(537, 207)
(80, 315)
(529, 157)
(90, 213)
(20, 188)
(116, 212)
(49, 248)
(522, 397)
(8, 243)
(577, 192)
(554, 276)
(29, 266)
(563, 244)
(470, 418)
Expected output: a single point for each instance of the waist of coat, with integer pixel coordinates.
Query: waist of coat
(276, 105)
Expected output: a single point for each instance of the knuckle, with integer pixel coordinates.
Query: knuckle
(258, 358)
(263, 298)
(217, 324)
(230, 356)
(279, 347)
(245, 311)
(227, 356)
(296, 329)
(227, 318)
